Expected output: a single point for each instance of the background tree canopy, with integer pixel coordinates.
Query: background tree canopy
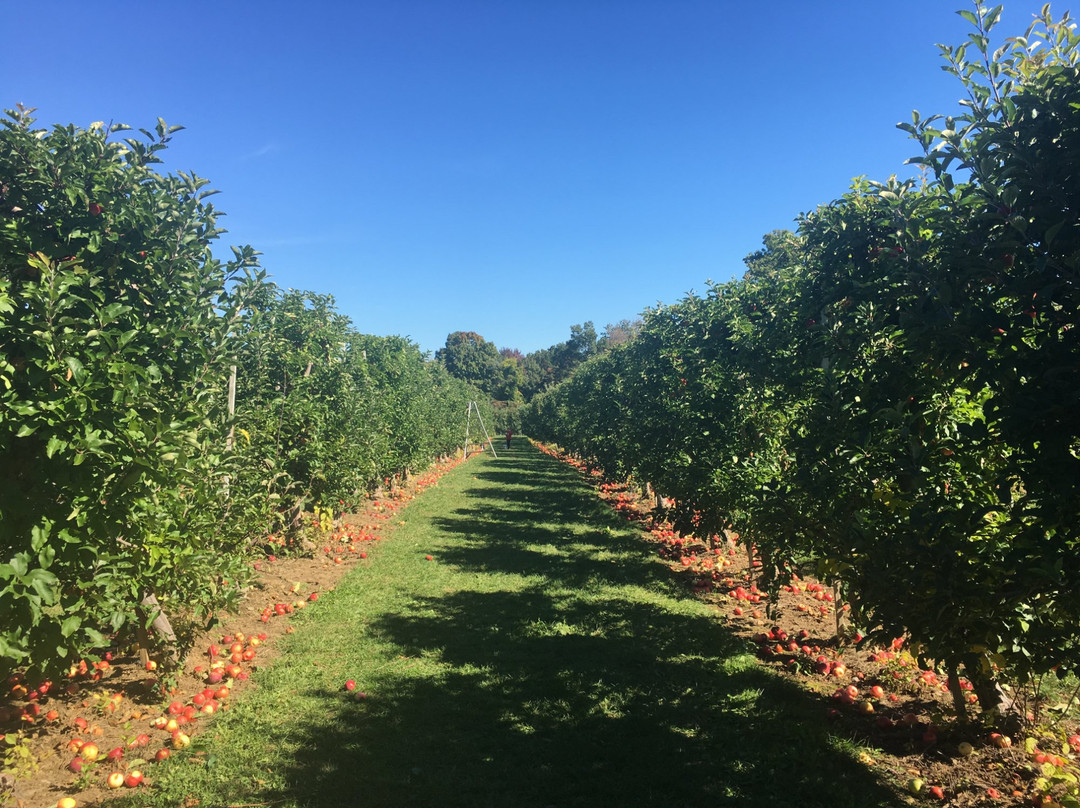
(511, 378)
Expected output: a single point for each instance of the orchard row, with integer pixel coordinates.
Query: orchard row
(160, 407)
(878, 693)
(889, 395)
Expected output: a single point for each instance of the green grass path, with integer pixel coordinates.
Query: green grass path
(546, 657)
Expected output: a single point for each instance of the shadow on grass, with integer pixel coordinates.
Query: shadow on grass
(576, 689)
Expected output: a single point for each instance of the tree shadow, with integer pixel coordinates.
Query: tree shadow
(596, 684)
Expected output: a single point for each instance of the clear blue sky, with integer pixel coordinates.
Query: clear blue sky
(509, 167)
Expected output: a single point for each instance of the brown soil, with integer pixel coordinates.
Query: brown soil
(910, 722)
(910, 725)
(114, 705)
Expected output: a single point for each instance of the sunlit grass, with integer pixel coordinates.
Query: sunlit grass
(544, 658)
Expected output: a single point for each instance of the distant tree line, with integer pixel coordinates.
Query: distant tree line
(511, 378)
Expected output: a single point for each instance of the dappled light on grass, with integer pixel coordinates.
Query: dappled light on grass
(545, 658)
(571, 672)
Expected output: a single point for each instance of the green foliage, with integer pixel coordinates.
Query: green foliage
(890, 392)
(549, 366)
(511, 379)
(469, 356)
(17, 762)
(113, 350)
(540, 636)
(127, 482)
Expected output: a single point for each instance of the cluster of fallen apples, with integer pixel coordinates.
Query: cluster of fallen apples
(221, 666)
(224, 667)
(711, 567)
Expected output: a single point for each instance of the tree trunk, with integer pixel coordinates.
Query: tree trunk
(295, 517)
(843, 619)
(163, 629)
(992, 699)
(956, 691)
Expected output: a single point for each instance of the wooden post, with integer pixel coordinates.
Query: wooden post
(468, 419)
(230, 439)
(232, 408)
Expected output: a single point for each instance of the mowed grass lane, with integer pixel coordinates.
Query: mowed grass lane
(545, 657)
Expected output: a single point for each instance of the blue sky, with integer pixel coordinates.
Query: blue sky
(510, 167)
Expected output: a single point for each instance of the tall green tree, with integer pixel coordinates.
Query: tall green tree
(470, 357)
(116, 334)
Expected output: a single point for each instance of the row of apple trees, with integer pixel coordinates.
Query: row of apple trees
(127, 490)
(892, 392)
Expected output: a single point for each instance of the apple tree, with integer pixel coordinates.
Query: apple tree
(115, 325)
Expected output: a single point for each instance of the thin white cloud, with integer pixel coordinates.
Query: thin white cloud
(262, 151)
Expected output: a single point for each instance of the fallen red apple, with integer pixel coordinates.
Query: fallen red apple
(1000, 741)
